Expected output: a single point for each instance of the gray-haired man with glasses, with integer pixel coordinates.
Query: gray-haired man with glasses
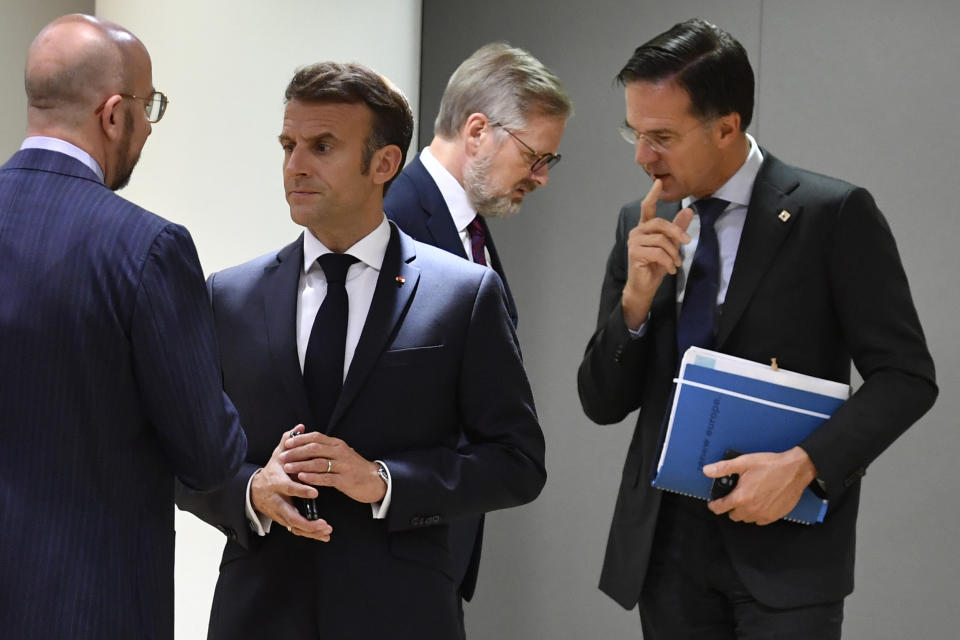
(110, 386)
(495, 140)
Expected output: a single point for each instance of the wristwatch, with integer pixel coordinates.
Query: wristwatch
(382, 472)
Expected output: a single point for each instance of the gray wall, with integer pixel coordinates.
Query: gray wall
(862, 89)
(21, 21)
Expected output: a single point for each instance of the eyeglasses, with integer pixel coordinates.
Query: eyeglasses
(154, 105)
(657, 143)
(540, 160)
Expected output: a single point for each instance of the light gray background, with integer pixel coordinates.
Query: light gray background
(865, 90)
(20, 21)
(862, 89)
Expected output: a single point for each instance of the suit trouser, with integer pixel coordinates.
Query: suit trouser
(693, 591)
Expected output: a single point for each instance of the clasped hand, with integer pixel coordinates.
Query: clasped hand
(322, 461)
(272, 491)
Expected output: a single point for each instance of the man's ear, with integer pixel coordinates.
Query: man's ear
(385, 163)
(111, 117)
(474, 130)
(727, 129)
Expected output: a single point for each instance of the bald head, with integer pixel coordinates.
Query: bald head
(75, 62)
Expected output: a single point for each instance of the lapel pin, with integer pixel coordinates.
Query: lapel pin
(784, 215)
(400, 280)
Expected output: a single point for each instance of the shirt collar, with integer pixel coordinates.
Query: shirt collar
(369, 249)
(452, 191)
(62, 146)
(738, 188)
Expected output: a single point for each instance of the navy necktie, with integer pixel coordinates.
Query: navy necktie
(323, 364)
(478, 238)
(698, 316)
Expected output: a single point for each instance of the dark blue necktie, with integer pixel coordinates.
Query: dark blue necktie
(698, 316)
(323, 364)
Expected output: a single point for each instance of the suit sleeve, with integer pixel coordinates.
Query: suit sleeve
(886, 343)
(611, 373)
(225, 506)
(175, 362)
(502, 464)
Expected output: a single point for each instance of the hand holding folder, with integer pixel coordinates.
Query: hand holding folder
(770, 485)
(722, 402)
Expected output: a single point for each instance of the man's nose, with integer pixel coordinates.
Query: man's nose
(644, 154)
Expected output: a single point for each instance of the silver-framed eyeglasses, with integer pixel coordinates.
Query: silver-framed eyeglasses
(154, 105)
(540, 160)
(658, 143)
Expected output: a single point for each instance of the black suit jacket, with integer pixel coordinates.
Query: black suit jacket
(437, 357)
(815, 291)
(109, 387)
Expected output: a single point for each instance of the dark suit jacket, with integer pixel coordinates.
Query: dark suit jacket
(437, 356)
(816, 291)
(415, 203)
(110, 386)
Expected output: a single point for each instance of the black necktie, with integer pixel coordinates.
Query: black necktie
(478, 239)
(323, 364)
(698, 316)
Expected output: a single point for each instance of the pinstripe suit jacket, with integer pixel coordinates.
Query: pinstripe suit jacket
(109, 387)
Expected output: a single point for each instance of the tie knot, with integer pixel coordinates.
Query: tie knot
(709, 209)
(335, 266)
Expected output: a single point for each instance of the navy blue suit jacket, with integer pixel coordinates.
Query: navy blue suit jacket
(815, 289)
(415, 203)
(437, 357)
(110, 387)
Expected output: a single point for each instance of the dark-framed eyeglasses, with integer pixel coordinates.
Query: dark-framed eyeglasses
(154, 105)
(540, 160)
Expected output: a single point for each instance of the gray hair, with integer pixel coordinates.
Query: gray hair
(504, 83)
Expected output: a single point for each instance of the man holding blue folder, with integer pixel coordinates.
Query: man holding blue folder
(735, 251)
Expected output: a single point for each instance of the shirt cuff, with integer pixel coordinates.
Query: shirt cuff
(640, 331)
(259, 524)
(380, 508)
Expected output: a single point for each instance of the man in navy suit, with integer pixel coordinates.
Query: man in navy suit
(426, 352)
(496, 136)
(777, 262)
(110, 383)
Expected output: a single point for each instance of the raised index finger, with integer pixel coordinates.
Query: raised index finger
(648, 208)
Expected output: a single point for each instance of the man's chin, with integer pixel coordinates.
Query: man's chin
(502, 208)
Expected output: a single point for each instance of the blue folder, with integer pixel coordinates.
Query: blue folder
(753, 410)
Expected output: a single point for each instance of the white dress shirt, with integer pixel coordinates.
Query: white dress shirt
(455, 197)
(361, 282)
(62, 146)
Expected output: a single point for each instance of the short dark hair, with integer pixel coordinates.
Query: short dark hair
(703, 59)
(352, 83)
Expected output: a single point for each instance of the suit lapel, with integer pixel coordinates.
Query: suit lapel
(280, 291)
(395, 288)
(498, 267)
(763, 233)
(439, 221)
